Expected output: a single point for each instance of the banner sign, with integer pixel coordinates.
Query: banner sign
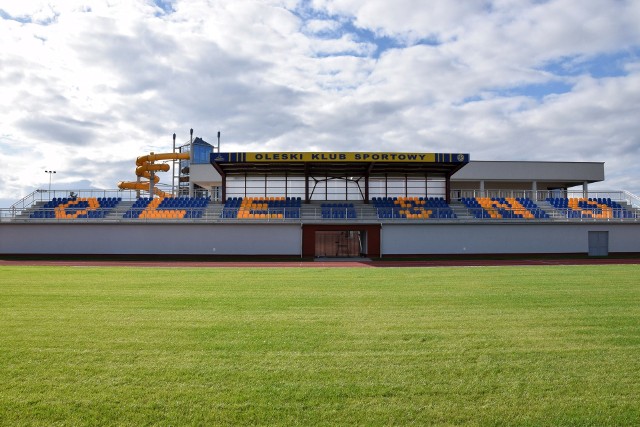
(292, 157)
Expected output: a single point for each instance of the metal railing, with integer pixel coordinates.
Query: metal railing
(30, 209)
(618, 196)
(43, 196)
(631, 199)
(115, 214)
(270, 214)
(556, 214)
(317, 214)
(130, 195)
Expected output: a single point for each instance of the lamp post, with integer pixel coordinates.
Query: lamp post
(50, 173)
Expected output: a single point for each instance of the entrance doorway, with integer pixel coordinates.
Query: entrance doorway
(334, 240)
(338, 243)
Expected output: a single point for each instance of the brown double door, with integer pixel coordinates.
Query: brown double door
(340, 240)
(338, 243)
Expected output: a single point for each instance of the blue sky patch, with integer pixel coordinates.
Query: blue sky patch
(469, 99)
(382, 43)
(21, 19)
(347, 26)
(600, 66)
(165, 5)
(27, 19)
(537, 91)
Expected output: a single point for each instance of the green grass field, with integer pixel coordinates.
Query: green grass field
(365, 346)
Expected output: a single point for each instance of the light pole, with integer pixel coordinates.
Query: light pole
(50, 173)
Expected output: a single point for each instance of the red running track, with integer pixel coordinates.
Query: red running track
(322, 263)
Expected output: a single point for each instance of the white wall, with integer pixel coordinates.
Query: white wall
(469, 238)
(286, 239)
(146, 238)
(204, 175)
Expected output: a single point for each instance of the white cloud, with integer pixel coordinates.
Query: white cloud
(90, 85)
(407, 18)
(321, 26)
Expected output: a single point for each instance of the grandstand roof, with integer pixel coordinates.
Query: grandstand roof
(547, 174)
(339, 163)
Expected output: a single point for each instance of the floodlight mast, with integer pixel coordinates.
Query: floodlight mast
(152, 178)
(190, 161)
(50, 174)
(173, 168)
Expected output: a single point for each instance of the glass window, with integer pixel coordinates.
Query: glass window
(201, 153)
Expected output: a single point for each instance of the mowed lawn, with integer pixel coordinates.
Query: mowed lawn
(367, 346)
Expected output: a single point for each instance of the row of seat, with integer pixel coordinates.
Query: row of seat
(435, 202)
(262, 207)
(167, 208)
(289, 207)
(105, 202)
(272, 201)
(338, 211)
(599, 208)
(412, 207)
(167, 214)
(184, 203)
(76, 207)
(503, 207)
(563, 202)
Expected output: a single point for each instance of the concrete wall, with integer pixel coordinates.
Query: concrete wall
(204, 173)
(145, 238)
(286, 239)
(469, 238)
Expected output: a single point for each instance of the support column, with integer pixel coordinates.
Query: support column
(406, 185)
(386, 185)
(173, 169)
(585, 189)
(191, 187)
(306, 183)
(223, 184)
(534, 189)
(366, 189)
(366, 183)
(346, 188)
(426, 185)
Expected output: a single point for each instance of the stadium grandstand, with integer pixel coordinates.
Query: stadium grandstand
(329, 204)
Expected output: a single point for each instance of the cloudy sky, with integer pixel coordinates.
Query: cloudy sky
(89, 85)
